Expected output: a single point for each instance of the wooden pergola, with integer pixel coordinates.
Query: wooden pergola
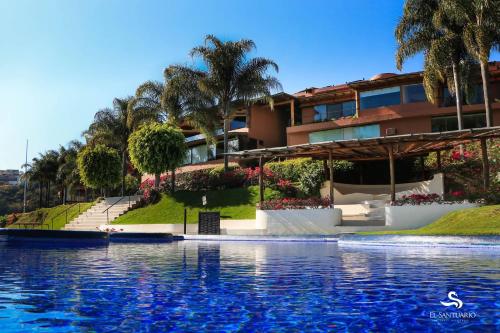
(380, 148)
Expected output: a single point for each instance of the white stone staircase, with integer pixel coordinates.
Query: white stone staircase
(96, 215)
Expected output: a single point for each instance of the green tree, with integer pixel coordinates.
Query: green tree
(43, 170)
(230, 77)
(481, 33)
(177, 101)
(426, 27)
(99, 166)
(157, 148)
(113, 126)
(67, 173)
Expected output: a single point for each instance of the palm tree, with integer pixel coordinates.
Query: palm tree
(230, 77)
(67, 173)
(43, 170)
(426, 27)
(177, 101)
(481, 33)
(113, 126)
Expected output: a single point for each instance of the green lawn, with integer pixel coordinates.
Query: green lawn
(473, 221)
(45, 215)
(234, 204)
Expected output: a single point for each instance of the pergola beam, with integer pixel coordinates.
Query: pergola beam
(392, 172)
(486, 164)
(330, 162)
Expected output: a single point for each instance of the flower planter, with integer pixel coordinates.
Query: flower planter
(299, 221)
(411, 217)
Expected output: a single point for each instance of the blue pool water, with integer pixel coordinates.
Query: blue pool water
(244, 286)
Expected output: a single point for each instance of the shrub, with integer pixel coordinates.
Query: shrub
(287, 188)
(290, 169)
(131, 184)
(12, 218)
(427, 199)
(99, 166)
(3, 221)
(295, 203)
(156, 148)
(311, 179)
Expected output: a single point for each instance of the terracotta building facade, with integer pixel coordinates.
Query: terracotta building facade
(387, 104)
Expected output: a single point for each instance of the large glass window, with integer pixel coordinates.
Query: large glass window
(414, 93)
(450, 123)
(200, 154)
(320, 113)
(238, 122)
(476, 96)
(334, 111)
(380, 97)
(346, 133)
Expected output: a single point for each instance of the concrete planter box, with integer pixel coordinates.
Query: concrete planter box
(411, 217)
(299, 221)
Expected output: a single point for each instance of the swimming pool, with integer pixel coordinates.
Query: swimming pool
(246, 286)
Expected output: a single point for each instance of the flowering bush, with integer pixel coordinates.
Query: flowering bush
(295, 203)
(151, 195)
(455, 155)
(419, 199)
(286, 187)
(463, 174)
(12, 218)
(252, 176)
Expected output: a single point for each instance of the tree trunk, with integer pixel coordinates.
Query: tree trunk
(486, 93)
(47, 195)
(226, 143)
(124, 170)
(172, 185)
(40, 195)
(458, 96)
(157, 180)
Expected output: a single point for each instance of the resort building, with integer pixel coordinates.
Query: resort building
(251, 127)
(385, 105)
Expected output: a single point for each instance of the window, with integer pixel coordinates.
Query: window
(414, 93)
(476, 96)
(334, 111)
(200, 154)
(450, 123)
(238, 122)
(380, 97)
(320, 112)
(347, 133)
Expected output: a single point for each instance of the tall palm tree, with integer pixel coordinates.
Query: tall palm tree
(113, 126)
(43, 170)
(230, 77)
(177, 101)
(426, 27)
(67, 173)
(481, 33)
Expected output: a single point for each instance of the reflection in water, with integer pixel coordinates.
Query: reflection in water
(251, 286)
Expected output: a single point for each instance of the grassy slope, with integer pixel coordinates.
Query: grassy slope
(234, 204)
(473, 221)
(59, 220)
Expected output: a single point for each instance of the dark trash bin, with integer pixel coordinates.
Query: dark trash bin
(209, 223)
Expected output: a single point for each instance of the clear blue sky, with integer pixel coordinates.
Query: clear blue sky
(62, 60)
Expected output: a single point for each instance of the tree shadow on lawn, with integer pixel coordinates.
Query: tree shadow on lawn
(215, 199)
